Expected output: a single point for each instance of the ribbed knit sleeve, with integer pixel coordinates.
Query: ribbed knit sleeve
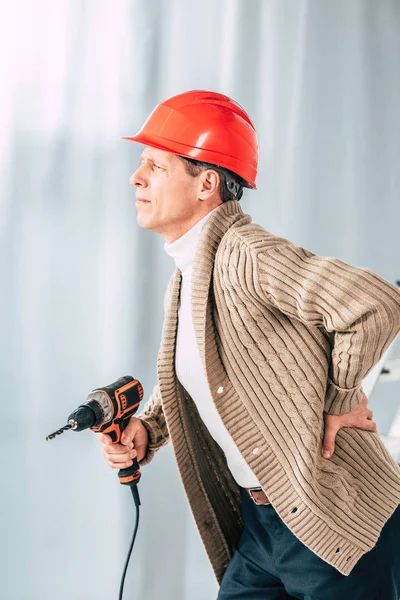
(360, 309)
(153, 419)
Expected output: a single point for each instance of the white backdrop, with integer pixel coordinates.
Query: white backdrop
(82, 285)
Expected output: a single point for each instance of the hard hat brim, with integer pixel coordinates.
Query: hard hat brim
(189, 151)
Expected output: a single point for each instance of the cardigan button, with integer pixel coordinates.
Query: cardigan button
(220, 390)
(256, 450)
(207, 525)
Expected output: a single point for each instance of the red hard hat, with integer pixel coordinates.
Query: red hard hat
(204, 126)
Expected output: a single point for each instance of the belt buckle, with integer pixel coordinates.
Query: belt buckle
(250, 492)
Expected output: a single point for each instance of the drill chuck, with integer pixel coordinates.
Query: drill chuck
(85, 416)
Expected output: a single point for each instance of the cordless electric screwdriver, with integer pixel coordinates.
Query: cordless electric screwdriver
(108, 410)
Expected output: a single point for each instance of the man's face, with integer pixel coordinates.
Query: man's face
(167, 197)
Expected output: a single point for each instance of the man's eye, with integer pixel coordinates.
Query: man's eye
(152, 164)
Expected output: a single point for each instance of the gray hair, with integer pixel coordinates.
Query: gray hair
(230, 186)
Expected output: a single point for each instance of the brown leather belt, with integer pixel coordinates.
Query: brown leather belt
(258, 496)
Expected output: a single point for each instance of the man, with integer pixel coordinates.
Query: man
(263, 351)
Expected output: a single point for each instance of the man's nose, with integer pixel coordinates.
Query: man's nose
(137, 178)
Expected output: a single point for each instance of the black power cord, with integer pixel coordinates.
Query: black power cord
(136, 499)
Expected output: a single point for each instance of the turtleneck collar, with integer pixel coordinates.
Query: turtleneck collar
(184, 248)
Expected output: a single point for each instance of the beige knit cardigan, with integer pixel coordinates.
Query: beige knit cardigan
(284, 335)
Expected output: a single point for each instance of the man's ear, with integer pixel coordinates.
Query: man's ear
(208, 183)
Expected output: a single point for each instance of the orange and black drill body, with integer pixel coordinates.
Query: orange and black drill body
(108, 410)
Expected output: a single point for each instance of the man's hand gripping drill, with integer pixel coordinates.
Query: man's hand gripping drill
(133, 445)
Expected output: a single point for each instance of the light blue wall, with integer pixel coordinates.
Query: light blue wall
(82, 285)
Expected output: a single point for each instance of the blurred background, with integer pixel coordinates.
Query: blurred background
(82, 285)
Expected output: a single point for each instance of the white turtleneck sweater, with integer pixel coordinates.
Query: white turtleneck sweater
(189, 368)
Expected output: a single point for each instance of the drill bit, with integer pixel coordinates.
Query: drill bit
(59, 432)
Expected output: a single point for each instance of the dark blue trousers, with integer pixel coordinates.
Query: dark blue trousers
(270, 563)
